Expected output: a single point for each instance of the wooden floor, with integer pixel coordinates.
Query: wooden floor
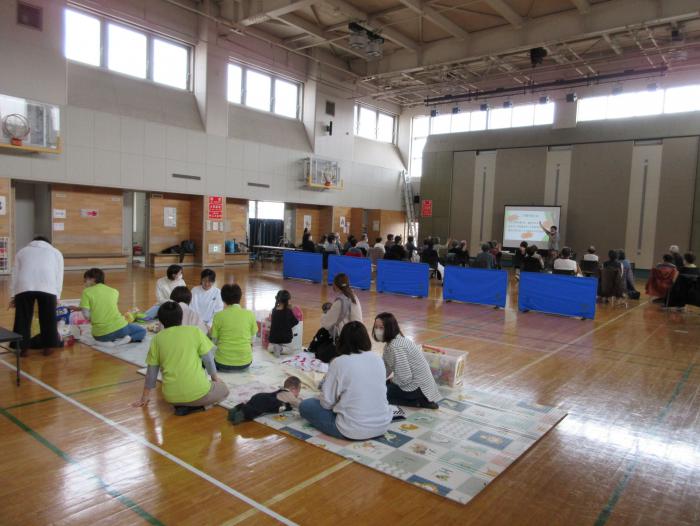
(627, 453)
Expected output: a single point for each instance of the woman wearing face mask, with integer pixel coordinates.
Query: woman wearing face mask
(345, 308)
(412, 383)
(166, 284)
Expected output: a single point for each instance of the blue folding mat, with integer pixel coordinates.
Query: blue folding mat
(401, 277)
(475, 285)
(303, 265)
(358, 270)
(558, 294)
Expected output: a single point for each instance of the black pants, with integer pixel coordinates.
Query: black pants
(397, 396)
(24, 313)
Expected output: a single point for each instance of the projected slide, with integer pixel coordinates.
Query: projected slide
(522, 223)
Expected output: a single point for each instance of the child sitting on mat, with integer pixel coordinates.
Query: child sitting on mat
(182, 296)
(178, 351)
(263, 403)
(206, 297)
(99, 304)
(282, 321)
(233, 330)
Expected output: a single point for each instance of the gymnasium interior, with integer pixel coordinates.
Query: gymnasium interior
(517, 180)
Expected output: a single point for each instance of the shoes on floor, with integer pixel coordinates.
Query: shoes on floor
(236, 415)
(184, 410)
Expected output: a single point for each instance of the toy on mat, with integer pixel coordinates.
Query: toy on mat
(447, 365)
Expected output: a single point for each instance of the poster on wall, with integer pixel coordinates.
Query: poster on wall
(169, 216)
(342, 225)
(3, 205)
(427, 208)
(375, 226)
(307, 223)
(216, 207)
(59, 227)
(89, 212)
(59, 213)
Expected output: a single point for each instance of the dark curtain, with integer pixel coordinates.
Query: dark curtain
(266, 231)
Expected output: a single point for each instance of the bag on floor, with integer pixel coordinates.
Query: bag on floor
(322, 346)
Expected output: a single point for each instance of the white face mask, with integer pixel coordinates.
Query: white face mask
(379, 334)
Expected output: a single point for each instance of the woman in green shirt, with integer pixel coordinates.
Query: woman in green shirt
(233, 330)
(178, 351)
(99, 304)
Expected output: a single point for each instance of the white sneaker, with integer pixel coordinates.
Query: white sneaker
(122, 341)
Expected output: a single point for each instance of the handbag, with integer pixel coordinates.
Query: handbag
(322, 346)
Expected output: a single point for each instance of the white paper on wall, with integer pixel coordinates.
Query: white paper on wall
(59, 213)
(59, 226)
(170, 216)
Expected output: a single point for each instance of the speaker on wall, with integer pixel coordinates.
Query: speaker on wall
(416, 199)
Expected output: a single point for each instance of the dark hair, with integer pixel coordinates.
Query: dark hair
(181, 295)
(523, 244)
(397, 240)
(173, 270)
(170, 314)
(331, 238)
(410, 239)
(231, 294)
(668, 258)
(591, 249)
(41, 238)
(390, 236)
(282, 298)
(612, 255)
(342, 283)
(621, 254)
(689, 257)
(353, 242)
(353, 339)
(531, 250)
(485, 247)
(209, 274)
(323, 238)
(292, 383)
(553, 228)
(378, 240)
(566, 252)
(95, 274)
(306, 236)
(391, 326)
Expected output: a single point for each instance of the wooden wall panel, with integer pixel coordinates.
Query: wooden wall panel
(197, 228)
(308, 210)
(393, 222)
(236, 219)
(100, 235)
(357, 222)
(374, 216)
(160, 236)
(338, 212)
(6, 216)
(325, 221)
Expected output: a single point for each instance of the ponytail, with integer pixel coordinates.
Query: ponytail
(342, 283)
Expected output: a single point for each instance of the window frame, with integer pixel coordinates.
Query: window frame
(150, 35)
(273, 89)
(377, 112)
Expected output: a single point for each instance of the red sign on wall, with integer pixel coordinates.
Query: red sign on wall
(427, 208)
(216, 207)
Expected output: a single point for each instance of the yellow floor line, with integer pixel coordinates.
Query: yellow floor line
(291, 491)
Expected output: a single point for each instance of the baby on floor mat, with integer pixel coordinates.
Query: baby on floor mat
(263, 403)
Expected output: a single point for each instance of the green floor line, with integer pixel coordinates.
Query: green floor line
(87, 390)
(123, 499)
(631, 467)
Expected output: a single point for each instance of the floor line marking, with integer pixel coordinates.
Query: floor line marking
(157, 449)
(631, 467)
(123, 499)
(291, 491)
(565, 345)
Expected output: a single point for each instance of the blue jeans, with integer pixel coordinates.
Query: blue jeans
(322, 419)
(136, 332)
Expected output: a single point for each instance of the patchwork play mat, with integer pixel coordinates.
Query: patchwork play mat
(454, 452)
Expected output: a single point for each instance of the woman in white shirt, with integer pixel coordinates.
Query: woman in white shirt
(412, 383)
(352, 403)
(563, 262)
(166, 284)
(345, 308)
(206, 297)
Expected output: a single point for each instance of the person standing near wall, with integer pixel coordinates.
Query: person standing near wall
(553, 234)
(37, 276)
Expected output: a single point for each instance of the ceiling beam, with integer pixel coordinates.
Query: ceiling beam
(582, 5)
(272, 10)
(507, 12)
(388, 33)
(613, 45)
(312, 29)
(436, 18)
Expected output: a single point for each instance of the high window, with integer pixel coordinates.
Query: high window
(101, 42)
(374, 124)
(263, 91)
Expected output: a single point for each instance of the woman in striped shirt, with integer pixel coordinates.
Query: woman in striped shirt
(412, 383)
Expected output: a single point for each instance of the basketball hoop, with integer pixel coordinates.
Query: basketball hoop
(16, 127)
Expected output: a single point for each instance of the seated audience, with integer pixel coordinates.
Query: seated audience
(410, 247)
(396, 251)
(518, 258)
(282, 323)
(590, 254)
(362, 244)
(166, 284)
(348, 243)
(485, 258)
(206, 297)
(661, 279)
(284, 399)
(627, 274)
(344, 309)
(676, 254)
(307, 243)
(613, 261)
(389, 241)
(689, 266)
(412, 383)
(354, 250)
(352, 404)
(183, 297)
(532, 254)
(331, 246)
(178, 352)
(379, 245)
(100, 304)
(564, 262)
(233, 331)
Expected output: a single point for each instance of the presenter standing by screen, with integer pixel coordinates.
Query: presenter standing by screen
(553, 234)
